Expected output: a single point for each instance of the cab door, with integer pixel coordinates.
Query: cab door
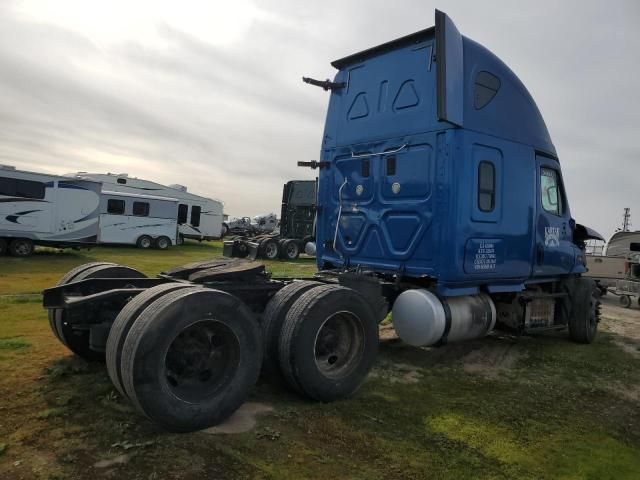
(554, 249)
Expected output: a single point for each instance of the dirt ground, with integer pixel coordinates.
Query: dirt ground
(530, 407)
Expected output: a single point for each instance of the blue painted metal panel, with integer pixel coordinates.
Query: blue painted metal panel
(414, 210)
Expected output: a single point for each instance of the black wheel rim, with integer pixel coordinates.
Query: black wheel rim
(292, 250)
(202, 360)
(22, 248)
(339, 345)
(271, 250)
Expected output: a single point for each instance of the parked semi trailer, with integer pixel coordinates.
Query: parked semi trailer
(296, 233)
(440, 197)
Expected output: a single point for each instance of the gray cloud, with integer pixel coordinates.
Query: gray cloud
(231, 121)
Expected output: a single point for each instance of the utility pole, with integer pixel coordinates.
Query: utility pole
(626, 220)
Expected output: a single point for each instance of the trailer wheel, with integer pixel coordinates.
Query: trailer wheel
(269, 249)
(273, 318)
(3, 246)
(191, 358)
(77, 340)
(329, 342)
(145, 242)
(123, 323)
(290, 249)
(162, 243)
(21, 247)
(625, 301)
(584, 311)
(66, 278)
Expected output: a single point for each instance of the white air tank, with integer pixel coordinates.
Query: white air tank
(421, 318)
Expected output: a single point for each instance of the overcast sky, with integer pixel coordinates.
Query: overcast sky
(208, 94)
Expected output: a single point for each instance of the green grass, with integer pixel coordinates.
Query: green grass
(557, 410)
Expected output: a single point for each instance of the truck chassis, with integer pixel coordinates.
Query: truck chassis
(187, 346)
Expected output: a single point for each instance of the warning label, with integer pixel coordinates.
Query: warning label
(485, 258)
(483, 255)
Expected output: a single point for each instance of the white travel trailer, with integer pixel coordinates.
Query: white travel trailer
(199, 218)
(143, 220)
(49, 210)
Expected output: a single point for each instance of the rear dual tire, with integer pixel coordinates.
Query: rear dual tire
(77, 340)
(289, 249)
(190, 358)
(123, 323)
(328, 343)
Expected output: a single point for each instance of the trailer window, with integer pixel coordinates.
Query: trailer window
(486, 186)
(182, 213)
(549, 190)
(12, 187)
(122, 181)
(141, 209)
(195, 216)
(115, 207)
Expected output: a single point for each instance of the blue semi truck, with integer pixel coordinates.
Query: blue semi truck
(440, 199)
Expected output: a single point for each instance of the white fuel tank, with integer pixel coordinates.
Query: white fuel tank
(421, 318)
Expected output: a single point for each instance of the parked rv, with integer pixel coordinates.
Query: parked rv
(199, 218)
(145, 221)
(48, 210)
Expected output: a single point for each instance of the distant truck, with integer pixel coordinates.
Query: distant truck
(47, 210)
(296, 227)
(199, 218)
(244, 226)
(145, 221)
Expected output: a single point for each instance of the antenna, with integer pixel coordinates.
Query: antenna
(626, 220)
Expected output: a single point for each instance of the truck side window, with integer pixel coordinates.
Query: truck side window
(486, 186)
(141, 209)
(549, 191)
(182, 213)
(195, 216)
(115, 207)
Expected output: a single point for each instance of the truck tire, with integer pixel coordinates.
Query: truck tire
(272, 320)
(21, 247)
(123, 322)
(162, 243)
(78, 340)
(3, 246)
(290, 250)
(625, 301)
(329, 342)
(584, 310)
(67, 278)
(184, 393)
(269, 249)
(144, 242)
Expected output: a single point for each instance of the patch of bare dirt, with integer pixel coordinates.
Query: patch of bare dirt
(243, 419)
(624, 323)
(493, 359)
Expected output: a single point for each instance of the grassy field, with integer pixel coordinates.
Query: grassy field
(500, 407)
